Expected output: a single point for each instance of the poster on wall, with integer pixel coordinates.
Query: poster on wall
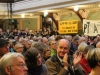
(91, 27)
(68, 27)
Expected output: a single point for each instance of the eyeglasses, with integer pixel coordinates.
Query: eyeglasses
(19, 47)
(20, 65)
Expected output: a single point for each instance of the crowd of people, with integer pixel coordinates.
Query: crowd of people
(26, 53)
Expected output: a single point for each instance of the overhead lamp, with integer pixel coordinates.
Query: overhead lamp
(99, 5)
(31, 14)
(23, 15)
(76, 8)
(45, 13)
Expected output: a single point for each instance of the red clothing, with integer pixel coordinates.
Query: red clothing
(85, 66)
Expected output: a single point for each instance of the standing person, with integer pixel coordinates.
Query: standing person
(13, 64)
(44, 32)
(34, 62)
(4, 48)
(60, 64)
(7, 33)
(93, 58)
(55, 32)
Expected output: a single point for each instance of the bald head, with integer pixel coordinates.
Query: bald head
(63, 41)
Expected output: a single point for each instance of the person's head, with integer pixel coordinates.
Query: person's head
(33, 58)
(68, 37)
(63, 47)
(13, 64)
(52, 44)
(75, 40)
(22, 40)
(58, 38)
(47, 52)
(98, 45)
(40, 47)
(93, 58)
(18, 48)
(8, 30)
(82, 47)
(81, 39)
(28, 44)
(27, 30)
(4, 47)
(87, 48)
(44, 40)
(16, 38)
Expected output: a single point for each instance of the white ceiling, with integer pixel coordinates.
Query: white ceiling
(60, 5)
(37, 8)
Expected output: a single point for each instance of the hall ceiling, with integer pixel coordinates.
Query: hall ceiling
(90, 5)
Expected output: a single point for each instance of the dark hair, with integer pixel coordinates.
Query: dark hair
(30, 57)
(39, 46)
(89, 47)
(92, 37)
(58, 38)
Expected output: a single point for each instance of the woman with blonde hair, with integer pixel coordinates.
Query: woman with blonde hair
(93, 58)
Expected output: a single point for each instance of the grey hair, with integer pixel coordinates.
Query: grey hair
(67, 37)
(17, 45)
(82, 47)
(7, 61)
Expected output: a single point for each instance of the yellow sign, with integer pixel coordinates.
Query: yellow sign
(68, 27)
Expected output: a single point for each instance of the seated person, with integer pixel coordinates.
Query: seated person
(18, 48)
(13, 64)
(84, 62)
(61, 64)
(93, 58)
(34, 62)
(47, 52)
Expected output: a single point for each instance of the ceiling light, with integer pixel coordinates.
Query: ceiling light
(99, 5)
(22, 15)
(31, 14)
(76, 8)
(45, 13)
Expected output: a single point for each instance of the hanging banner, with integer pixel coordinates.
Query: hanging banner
(91, 27)
(68, 27)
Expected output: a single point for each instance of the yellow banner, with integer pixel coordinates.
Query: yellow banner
(68, 27)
